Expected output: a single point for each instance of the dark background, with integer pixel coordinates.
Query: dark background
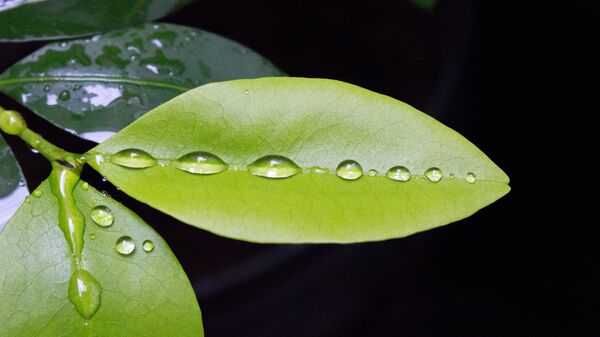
(493, 71)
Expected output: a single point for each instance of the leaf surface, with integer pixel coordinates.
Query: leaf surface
(313, 122)
(143, 294)
(12, 184)
(25, 20)
(95, 87)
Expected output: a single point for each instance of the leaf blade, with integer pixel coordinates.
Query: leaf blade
(12, 184)
(314, 123)
(95, 87)
(24, 20)
(143, 294)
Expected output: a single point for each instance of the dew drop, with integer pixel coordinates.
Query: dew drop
(148, 246)
(398, 173)
(64, 95)
(125, 245)
(434, 174)
(318, 170)
(84, 292)
(85, 186)
(274, 166)
(46, 88)
(349, 170)
(200, 163)
(452, 176)
(133, 158)
(372, 173)
(27, 200)
(102, 216)
(92, 236)
(37, 193)
(471, 178)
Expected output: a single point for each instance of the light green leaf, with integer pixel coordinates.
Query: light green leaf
(25, 20)
(313, 122)
(94, 87)
(12, 184)
(143, 294)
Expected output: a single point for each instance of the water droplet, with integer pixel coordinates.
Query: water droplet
(77, 87)
(125, 245)
(318, 170)
(434, 174)
(398, 173)
(372, 173)
(46, 88)
(37, 193)
(349, 170)
(134, 57)
(452, 176)
(64, 95)
(133, 158)
(92, 236)
(84, 292)
(471, 178)
(27, 200)
(274, 166)
(148, 246)
(247, 92)
(102, 216)
(200, 163)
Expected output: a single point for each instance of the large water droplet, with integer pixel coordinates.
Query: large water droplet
(349, 170)
(84, 292)
(398, 173)
(64, 95)
(434, 174)
(133, 158)
(200, 163)
(125, 245)
(274, 166)
(471, 178)
(148, 246)
(102, 216)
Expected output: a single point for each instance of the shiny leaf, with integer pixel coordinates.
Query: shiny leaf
(24, 20)
(318, 125)
(94, 87)
(12, 185)
(143, 294)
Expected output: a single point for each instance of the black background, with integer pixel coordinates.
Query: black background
(492, 70)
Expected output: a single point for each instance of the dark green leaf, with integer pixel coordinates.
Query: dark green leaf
(12, 185)
(24, 20)
(425, 4)
(97, 86)
(143, 294)
(314, 123)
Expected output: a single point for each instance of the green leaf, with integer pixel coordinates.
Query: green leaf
(143, 294)
(313, 122)
(425, 4)
(25, 20)
(94, 87)
(12, 184)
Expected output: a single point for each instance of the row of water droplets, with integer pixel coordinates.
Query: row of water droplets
(271, 166)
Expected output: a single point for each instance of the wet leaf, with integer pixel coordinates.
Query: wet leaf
(283, 139)
(95, 87)
(12, 184)
(24, 20)
(143, 293)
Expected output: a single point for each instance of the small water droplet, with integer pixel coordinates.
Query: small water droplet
(434, 174)
(92, 236)
(134, 57)
(84, 292)
(62, 44)
(452, 176)
(33, 150)
(398, 173)
(148, 246)
(85, 186)
(274, 166)
(200, 163)
(37, 193)
(77, 87)
(133, 158)
(125, 245)
(471, 178)
(349, 170)
(27, 200)
(372, 173)
(102, 216)
(64, 95)
(105, 193)
(46, 88)
(318, 170)
(247, 92)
